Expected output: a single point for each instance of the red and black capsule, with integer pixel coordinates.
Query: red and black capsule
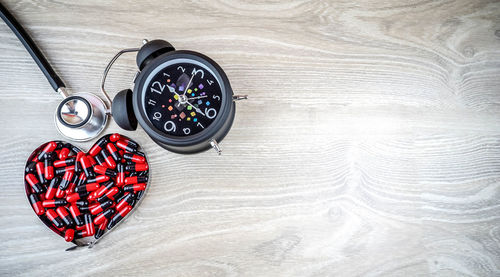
(110, 195)
(89, 224)
(101, 191)
(91, 160)
(100, 161)
(52, 188)
(136, 180)
(30, 168)
(52, 203)
(73, 197)
(78, 165)
(134, 157)
(87, 166)
(107, 214)
(100, 207)
(99, 169)
(98, 179)
(101, 229)
(120, 214)
(75, 212)
(82, 234)
(40, 170)
(125, 201)
(127, 145)
(48, 167)
(66, 218)
(62, 170)
(81, 179)
(134, 187)
(36, 204)
(89, 187)
(51, 146)
(66, 179)
(54, 217)
(109, 159)
(82, 203)
(137, 167)
(100, 144)
(60, 193)
(113, 151)
(64, 163)
(64, 153)
(69, 235)
(120, 179)
(34, 183)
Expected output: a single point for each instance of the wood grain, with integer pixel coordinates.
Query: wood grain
(370, 144)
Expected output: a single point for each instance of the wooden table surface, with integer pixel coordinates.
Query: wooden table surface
(370, 143)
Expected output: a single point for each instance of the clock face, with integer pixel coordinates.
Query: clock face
(182, 97)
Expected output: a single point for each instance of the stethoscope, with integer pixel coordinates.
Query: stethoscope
(81, 116)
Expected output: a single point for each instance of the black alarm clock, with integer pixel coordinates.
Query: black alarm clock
(182, 99)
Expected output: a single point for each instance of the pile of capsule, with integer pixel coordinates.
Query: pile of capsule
(81, 195)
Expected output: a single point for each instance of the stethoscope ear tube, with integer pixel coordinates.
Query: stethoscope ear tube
(34, 51)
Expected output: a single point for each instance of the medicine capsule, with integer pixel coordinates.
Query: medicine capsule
(54, 217)
(110, 195)
(136, 180)
(51, 190)
(101, 191)
(64, 163)
(82, 203)
(127, 145)
(137, 167)
(75, 212)
(64, 153)
(34, 183)
(66, 179)
(100, 207)
(48, 168)
(120, 179)
(125, 201)
(87, 166)
(82, 234)
(79, 228)
(99, 169)
(134, 187)
(40, 170)
(135, 158)
(36, 204)
(113, 151)
(66, 218)
(108, 158)
(114, 137)
(101, 229)
(89, 187)
(54, 203)
(60, 193)
(62, 170)
(98, 146)
(98, 179)
(89, 224)
(100, 161)
(78, 165)
(69, 235)
(120, 214)
(51, 146)
(81, 179)
(30, 168)
(73, 197)
(107, 214)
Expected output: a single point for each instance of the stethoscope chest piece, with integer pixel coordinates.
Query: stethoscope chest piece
(81, 117)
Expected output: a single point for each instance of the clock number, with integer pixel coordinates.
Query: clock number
(210, 82)
(181, 68)
(216, 97)
(198, 71)
(186, 131)
(157, 116)
(169, 126)
(151, 102)
(211, 113)
(165, 74)
(199, 124)
(159, 86)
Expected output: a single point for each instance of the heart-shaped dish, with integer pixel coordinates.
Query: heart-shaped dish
(81, 196)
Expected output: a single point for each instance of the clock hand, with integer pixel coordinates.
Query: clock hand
(171, 89)
(199, 97)
(189, 83)
(195, 108)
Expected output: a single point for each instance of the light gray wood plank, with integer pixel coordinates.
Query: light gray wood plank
(370, 143)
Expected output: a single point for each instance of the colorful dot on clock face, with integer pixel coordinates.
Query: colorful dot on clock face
(189, 108)
(173, 116)
(195, 89)
(170, 108)
(195, 119)
(192, 94)
(176, 97)
(169, 100)
(163, 106)
(207, 103)
(200, 86)
(181, 88)
(192, 113)
(190, 90)
(188, 119)
(202, 94)
(182, 115)
(168, 80)
(199, 102)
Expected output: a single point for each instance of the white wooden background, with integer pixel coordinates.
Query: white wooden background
(370, 144)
